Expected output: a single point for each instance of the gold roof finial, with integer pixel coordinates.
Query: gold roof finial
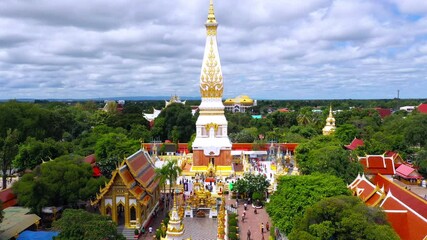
(211, 14)
(330, 111)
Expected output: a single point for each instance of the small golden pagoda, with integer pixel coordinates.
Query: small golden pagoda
(330, 124)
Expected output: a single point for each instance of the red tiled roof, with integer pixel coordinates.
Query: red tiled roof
(407, 172)
(390, 154)
(422, 108)
(407, 197)
(384, 112)
(96, 171)
(354, 144)
(374, 164)
(8, 198)
(406, 211)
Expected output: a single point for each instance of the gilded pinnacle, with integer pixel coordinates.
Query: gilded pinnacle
(211, 14)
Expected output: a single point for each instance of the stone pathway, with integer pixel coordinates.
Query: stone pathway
(252, 221)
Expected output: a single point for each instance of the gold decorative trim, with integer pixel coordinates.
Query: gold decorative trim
(211, 125)
(211, 83)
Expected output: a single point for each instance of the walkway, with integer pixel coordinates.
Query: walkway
(252, 221)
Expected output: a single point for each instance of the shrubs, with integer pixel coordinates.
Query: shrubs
(232, 227)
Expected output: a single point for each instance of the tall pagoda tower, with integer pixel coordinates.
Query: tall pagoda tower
(212, 147)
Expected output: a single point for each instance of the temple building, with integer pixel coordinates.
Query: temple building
(239, 104)
(211, 145)
(330, 124)
(132, 194)
(151, 116)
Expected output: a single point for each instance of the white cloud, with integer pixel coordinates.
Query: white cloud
(268, 48)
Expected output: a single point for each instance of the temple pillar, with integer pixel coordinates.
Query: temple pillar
(102, 207)
(138, 214)
(127, 211)
(114, 208)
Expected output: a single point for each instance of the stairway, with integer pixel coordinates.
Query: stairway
(129, 233)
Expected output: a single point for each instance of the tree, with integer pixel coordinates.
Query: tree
(346, 133)
(251, 184)
(162, 174)
(295, 193)
(416, 130)
(79, 224)
(110, 148)
(325, 154)
(33, 152)
(173, 171)
(340, 217)
(175, 115)
(60, 182)
(8, 151)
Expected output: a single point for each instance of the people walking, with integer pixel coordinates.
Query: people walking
(267, 226)
(248, 234)
(262, 228)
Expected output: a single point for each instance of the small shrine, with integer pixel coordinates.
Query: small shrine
(175, 228)
(201, 203)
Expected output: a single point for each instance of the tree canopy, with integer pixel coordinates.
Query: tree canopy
(79, 224)
(342, 217)
(176, 116)
(251, 184)
(61, 182)
(325, 154)
(295, 193)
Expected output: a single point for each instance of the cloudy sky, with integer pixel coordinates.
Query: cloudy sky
(270, 49)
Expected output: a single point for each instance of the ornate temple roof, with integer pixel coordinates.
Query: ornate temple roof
(406, 211)
(137, 173)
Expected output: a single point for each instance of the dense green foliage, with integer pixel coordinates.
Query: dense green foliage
(175, 123)
(252, 186)
(342, 217)
(61, 182)
(295, 193)
(79, 224)
(325, 154)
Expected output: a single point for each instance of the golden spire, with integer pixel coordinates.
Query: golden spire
(330, 111)
(211, 13)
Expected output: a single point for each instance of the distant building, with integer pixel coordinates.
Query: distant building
(384, 112)
(151, 116)
(239, 104)
(330, 124)
(407, 108)
(422, 108)
(113, 106)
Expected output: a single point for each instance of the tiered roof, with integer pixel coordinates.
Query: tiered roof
(406, 211)
(137, 173)
(374, 164)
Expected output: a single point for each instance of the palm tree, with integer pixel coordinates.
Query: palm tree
(173, 171)
(162, 175)
(168, 172)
